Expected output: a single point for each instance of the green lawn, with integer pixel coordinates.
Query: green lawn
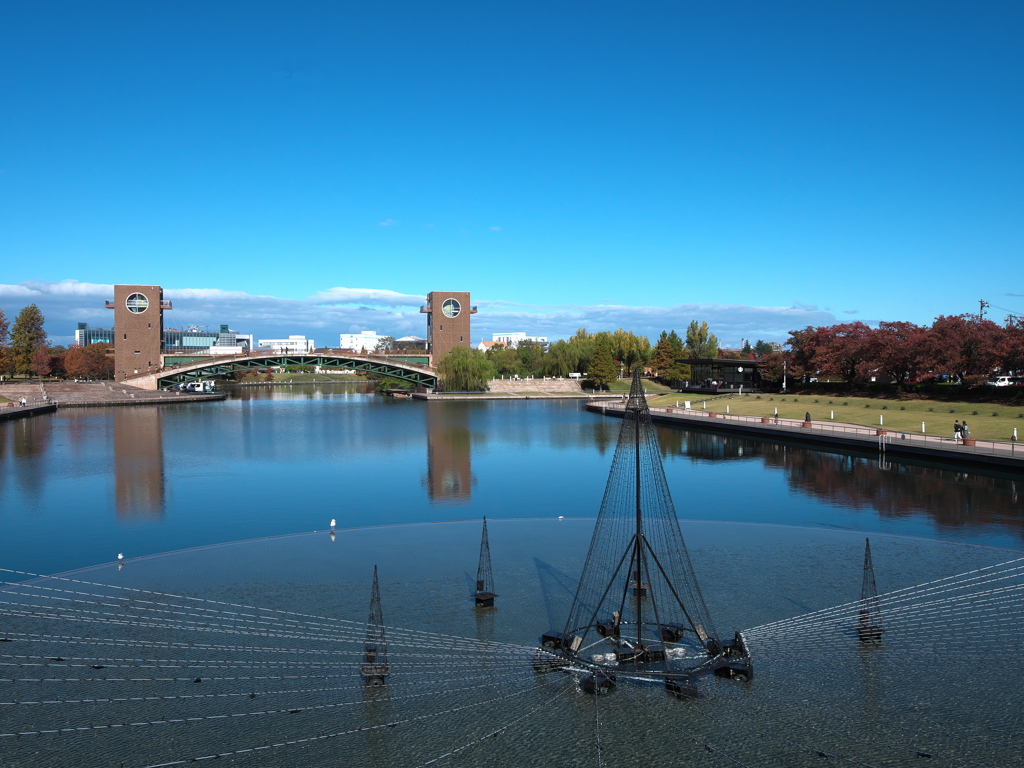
(623, 385)
(898, 416)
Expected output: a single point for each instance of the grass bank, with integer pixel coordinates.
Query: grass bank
(623, 385)
(987, 421)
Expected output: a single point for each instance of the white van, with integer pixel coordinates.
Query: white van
(1002, 381)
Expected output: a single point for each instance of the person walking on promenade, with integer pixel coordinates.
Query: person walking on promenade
(964, 432)
(956, 431)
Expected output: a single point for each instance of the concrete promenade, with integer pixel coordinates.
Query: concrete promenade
(93, 394)
(990, 453)
(604, 396)
(19, 412)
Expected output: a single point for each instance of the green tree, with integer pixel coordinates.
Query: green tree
(583, 345)
(5, 350)
(631, 350)
(669, 358)
(465, 370)
(504, 360)
(763, 348)
(531, 355)
(701, 343)
(385, 383)
(27, 336)
(562, 358)
(602, 370)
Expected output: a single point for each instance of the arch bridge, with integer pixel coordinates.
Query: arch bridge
(168, 378)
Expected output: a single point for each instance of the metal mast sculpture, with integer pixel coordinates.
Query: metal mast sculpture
(375, 667)
(484, 594)
(638, 606)
(868, 631)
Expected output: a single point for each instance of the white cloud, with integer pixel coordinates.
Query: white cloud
(340, 309)
(495, 229)
(368, 296)
(388, 223)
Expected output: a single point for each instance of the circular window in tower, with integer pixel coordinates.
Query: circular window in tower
(451, 308)
(137, 303)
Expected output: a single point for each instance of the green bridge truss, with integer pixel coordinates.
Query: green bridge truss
(416, 374)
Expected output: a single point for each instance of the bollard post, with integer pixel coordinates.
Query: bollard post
(922, 427)
(832, 415)
(727, 409)
(880, 420)
(776, 410)
(705, 405)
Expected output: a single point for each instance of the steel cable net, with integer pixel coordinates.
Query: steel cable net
(673, 596)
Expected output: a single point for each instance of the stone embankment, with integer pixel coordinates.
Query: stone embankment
(991, 453)
(525, 389)
(93, 394)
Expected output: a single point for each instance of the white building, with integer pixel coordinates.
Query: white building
(293, 344)
(511, 340)
(364, 341)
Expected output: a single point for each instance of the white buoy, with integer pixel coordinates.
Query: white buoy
(120, 556)
(561, 517)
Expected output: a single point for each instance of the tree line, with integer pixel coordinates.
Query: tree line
(963, 348)
(602, 356)
(25, 350)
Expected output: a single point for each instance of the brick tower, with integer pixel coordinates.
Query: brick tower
(447, 322)
(138, 328)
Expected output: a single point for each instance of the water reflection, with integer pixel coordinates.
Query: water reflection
(706, 445)
(271, 461)
(951, 498)
(30, 442)
(138, 464)
(449, 465)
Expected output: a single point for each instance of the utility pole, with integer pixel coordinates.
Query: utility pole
(981, 308)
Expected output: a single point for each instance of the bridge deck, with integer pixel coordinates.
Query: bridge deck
(382, 365)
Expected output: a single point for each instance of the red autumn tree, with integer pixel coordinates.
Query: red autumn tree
(898, 349)
(841, 350)
(965, 347)
(41, 365)
(1011, 348)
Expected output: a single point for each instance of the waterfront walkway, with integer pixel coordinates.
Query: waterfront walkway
(840, 435)
(92, 394)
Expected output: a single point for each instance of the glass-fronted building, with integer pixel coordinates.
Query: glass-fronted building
(193, 339)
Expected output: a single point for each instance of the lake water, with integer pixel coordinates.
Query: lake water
(235, 648)
(78, 487)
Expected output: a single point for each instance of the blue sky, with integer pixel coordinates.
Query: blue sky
(318, 167)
